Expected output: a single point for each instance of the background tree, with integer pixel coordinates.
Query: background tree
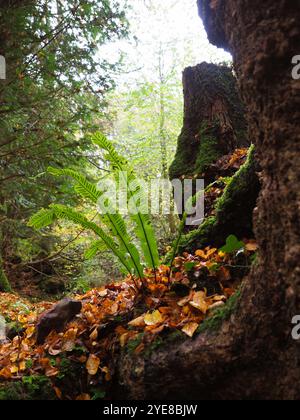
(54, 92)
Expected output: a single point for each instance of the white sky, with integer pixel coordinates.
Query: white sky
(176, 26)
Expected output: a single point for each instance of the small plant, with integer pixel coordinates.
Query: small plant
(232, 245)
(111, 229)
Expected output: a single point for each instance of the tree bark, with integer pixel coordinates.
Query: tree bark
(252, 356)
(214, 119)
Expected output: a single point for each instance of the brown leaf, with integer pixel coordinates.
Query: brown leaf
(92, 364)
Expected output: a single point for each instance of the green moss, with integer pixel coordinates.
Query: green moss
(214, 322)
(30, 388)
(234, 211)
(208, 151)
(239, 182)
(4, 283)
(133, 344)
(200, 237)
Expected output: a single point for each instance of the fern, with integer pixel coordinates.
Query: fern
(83, 187)
(96, 246)
(66, 213)
(144, 230)
(111, 218)
(118, 239)
(42, 219)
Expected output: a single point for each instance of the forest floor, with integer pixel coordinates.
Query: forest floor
(131, 316)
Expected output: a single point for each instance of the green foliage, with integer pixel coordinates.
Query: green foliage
(31, 388)
(4, 283)
(124, 249)
(55, 90)
(135, 196)
(232, 245)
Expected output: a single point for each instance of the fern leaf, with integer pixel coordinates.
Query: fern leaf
(95, 247)
(83, 187)
(144, 230)
(66, 213)
(43, 218)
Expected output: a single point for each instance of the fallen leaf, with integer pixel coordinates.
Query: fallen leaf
(153, 318)
(69, 340)
(83, 397)
(190, 328)
(94, 335)
(58, 392)
(252, 246)
(92, 364)
(199, 302)
(138, 322)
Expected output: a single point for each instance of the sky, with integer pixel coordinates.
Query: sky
(173, 25)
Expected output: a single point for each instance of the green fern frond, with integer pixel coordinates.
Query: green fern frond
(96, 246)
(66, 213)
(112, 156)
(83, 187)
(42, 219)
(144, 230)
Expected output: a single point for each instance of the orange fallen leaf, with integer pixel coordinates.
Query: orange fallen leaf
(69, 339)
(138, 322)
(251, 246)
(92, 364)
(83, 397)
(58, 392)
(94, 335)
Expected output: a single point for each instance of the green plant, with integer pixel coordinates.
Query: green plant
(112, 229)
(232, 245)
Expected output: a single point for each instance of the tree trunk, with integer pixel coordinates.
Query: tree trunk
(214, 120)
(252, 355)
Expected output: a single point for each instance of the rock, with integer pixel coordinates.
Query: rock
(57, 318)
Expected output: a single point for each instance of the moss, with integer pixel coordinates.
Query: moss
(200, 237)
(4, 283)
(30, 388)
(214, 322)
(239, 183)
(234, 211)
(208, 151)
(133, 344)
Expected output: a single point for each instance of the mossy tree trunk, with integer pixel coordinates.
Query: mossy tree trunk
(214, 119)
(252, 356)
